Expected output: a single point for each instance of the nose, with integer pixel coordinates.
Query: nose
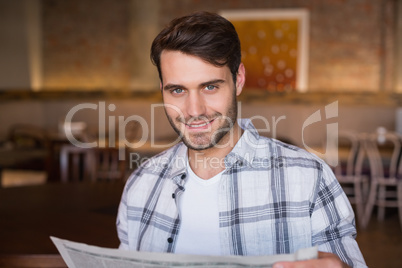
(195, 105)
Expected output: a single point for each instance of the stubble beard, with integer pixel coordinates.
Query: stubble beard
(206, 140)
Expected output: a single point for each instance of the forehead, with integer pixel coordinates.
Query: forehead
(180, 67)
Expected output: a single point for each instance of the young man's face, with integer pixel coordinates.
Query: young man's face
(199, 98)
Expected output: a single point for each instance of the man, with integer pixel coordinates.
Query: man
(225, 190)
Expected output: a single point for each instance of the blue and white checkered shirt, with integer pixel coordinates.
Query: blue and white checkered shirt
(274, 198)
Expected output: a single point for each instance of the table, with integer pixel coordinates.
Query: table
(32, 261)
(83, 212)
(138, 154)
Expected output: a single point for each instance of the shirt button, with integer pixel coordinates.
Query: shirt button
(173, 196)
(170, 240)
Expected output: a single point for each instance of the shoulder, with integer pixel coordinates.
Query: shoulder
(290, 153)
(300, 162)
(294, 161)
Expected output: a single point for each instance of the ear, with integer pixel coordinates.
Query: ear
(160, 86)
(240, 79)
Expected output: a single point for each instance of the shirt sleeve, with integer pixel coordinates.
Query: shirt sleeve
(121, 221)
(333, 221)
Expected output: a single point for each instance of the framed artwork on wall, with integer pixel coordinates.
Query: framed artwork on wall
(274, 47)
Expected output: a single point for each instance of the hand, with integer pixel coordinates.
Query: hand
(325, 259)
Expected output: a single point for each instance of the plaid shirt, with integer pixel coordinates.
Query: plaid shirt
(274, 198)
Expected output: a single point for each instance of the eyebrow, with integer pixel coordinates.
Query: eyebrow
(216, 81)
(173, 86)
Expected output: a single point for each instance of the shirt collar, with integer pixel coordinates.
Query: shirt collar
(179, 162)
(244, 150)
(242, 153)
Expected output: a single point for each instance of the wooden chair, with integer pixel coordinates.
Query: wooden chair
(349, 171)
(76, 164)
(108, 166)
(383, 151)
(81, 164)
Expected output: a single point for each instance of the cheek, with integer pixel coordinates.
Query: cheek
(175, 107)
(221, 104)
(173, 111)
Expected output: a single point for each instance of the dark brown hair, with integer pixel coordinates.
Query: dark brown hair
(206, 35)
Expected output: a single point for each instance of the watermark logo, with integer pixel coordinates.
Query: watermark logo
(113, 130)
(331, 144)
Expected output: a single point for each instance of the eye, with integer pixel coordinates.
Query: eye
(177, 91)
(210, 87)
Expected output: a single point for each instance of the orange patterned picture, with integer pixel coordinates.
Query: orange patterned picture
(274, 48)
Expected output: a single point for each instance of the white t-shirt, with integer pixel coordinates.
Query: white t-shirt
(198, 206)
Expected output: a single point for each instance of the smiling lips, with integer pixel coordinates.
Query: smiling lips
(202, 125)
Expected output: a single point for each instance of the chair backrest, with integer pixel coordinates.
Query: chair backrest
(383, 151)
(108, 166)
(350, 144)
(79, 164)
(76, 164)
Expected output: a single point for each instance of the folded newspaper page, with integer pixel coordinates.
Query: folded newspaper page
(78, 255)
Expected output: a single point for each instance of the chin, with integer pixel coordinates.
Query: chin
(198, 146)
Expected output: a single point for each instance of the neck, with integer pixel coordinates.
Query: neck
(209, 162)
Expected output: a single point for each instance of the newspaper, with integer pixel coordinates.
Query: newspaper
(77, 255)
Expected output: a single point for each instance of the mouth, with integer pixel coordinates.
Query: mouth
(200, 125)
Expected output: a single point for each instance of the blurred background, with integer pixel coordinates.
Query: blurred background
(57, 54)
